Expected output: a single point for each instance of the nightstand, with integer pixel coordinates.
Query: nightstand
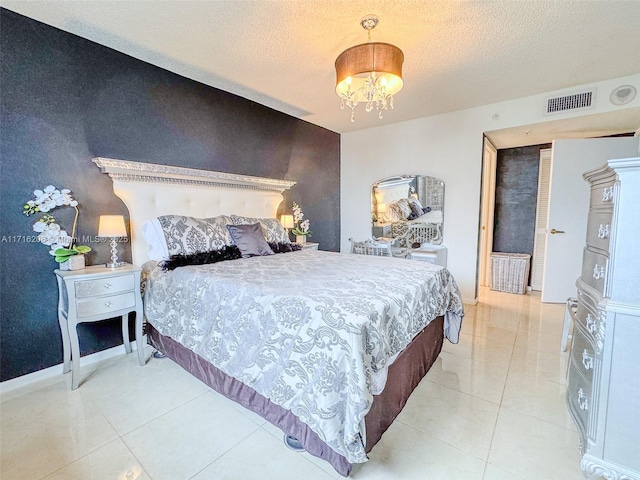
(93, 294)
(310, 246)
(381, 230)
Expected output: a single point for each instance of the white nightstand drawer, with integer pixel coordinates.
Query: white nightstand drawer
(97, 306)
(104, 286)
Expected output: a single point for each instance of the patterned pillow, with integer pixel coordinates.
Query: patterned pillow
(400, 210)
(188, 235)
(249, 240)
(416, 206)
(403, 203)
(395, 213)
(272, 229)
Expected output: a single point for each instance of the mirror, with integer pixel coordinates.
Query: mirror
(408, 208)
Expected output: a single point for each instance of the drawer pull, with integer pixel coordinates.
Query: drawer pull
(107, 304)
(583, 400)
(108, 285)
(603, 231)
(587, 360)
(598, 271)
(591, 324)
(607, 194)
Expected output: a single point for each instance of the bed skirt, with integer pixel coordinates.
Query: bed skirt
(403, 376)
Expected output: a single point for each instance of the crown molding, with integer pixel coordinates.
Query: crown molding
(128, 171)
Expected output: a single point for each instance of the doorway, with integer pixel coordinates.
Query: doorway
(508, 205)
(553, 258)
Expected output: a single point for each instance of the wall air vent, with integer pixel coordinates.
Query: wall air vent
(575, 101)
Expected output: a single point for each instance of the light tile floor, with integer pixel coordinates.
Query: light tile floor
(492, 407)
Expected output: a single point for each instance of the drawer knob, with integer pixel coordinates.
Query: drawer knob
(583, 400)
(587, 360)
(603, 231)
(598, 271)
(107, 304)
(107, 286)
(607, 194)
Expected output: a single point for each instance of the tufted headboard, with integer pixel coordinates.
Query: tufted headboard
(150, 190)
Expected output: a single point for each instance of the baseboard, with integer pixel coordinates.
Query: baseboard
(56, 370)
(470, 302)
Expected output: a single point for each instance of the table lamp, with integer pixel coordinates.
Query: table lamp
(287, 222)
(382, 210)
(112, 226)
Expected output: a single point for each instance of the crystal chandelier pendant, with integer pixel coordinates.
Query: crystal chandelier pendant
(370, 73)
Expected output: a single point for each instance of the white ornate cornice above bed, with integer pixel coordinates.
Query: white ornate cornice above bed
(125, 170)
(150, 190)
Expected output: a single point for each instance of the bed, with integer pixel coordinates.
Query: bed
(318, 343)
(426, 228)
(399, 211)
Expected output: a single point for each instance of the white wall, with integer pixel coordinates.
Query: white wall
(449, 147)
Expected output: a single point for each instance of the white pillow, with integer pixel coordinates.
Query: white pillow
(154, 236)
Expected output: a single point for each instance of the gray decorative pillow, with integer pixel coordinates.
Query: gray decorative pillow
(416, 207)
(249, 239)
(272, 229)
(189, 235)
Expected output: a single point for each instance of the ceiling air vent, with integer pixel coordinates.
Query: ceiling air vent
(575, 101)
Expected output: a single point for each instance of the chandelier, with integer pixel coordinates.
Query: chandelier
(369, 73)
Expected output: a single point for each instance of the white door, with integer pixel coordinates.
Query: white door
(569, 206)
(489, 162)
(542, 220)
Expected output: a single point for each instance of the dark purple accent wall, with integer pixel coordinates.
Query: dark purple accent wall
(516, 199)
(64, 100)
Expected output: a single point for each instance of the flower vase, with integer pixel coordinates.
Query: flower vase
(75, 262)
(301, 239)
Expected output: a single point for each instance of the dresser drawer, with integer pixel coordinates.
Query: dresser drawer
(594, 269)
(103, 305)
(104, 286)
(603, 194)
(579, 396)
(583, 352)
(588, 319)
(599, 230)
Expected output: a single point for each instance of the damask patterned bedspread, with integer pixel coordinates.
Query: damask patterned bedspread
(305, 329)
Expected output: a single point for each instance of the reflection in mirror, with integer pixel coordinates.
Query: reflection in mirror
(409, 208)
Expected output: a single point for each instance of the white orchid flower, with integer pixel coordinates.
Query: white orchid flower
(39, 227)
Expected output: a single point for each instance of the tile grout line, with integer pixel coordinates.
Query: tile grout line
(495, 425)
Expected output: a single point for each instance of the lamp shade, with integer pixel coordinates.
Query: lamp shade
(287, 221)
(355, 64)
(111, 226)
(382, 208)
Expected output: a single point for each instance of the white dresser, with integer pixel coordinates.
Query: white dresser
(603, 395)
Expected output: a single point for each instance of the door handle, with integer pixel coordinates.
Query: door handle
(554, 231)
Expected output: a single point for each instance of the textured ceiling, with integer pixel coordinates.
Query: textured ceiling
(281, 53)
